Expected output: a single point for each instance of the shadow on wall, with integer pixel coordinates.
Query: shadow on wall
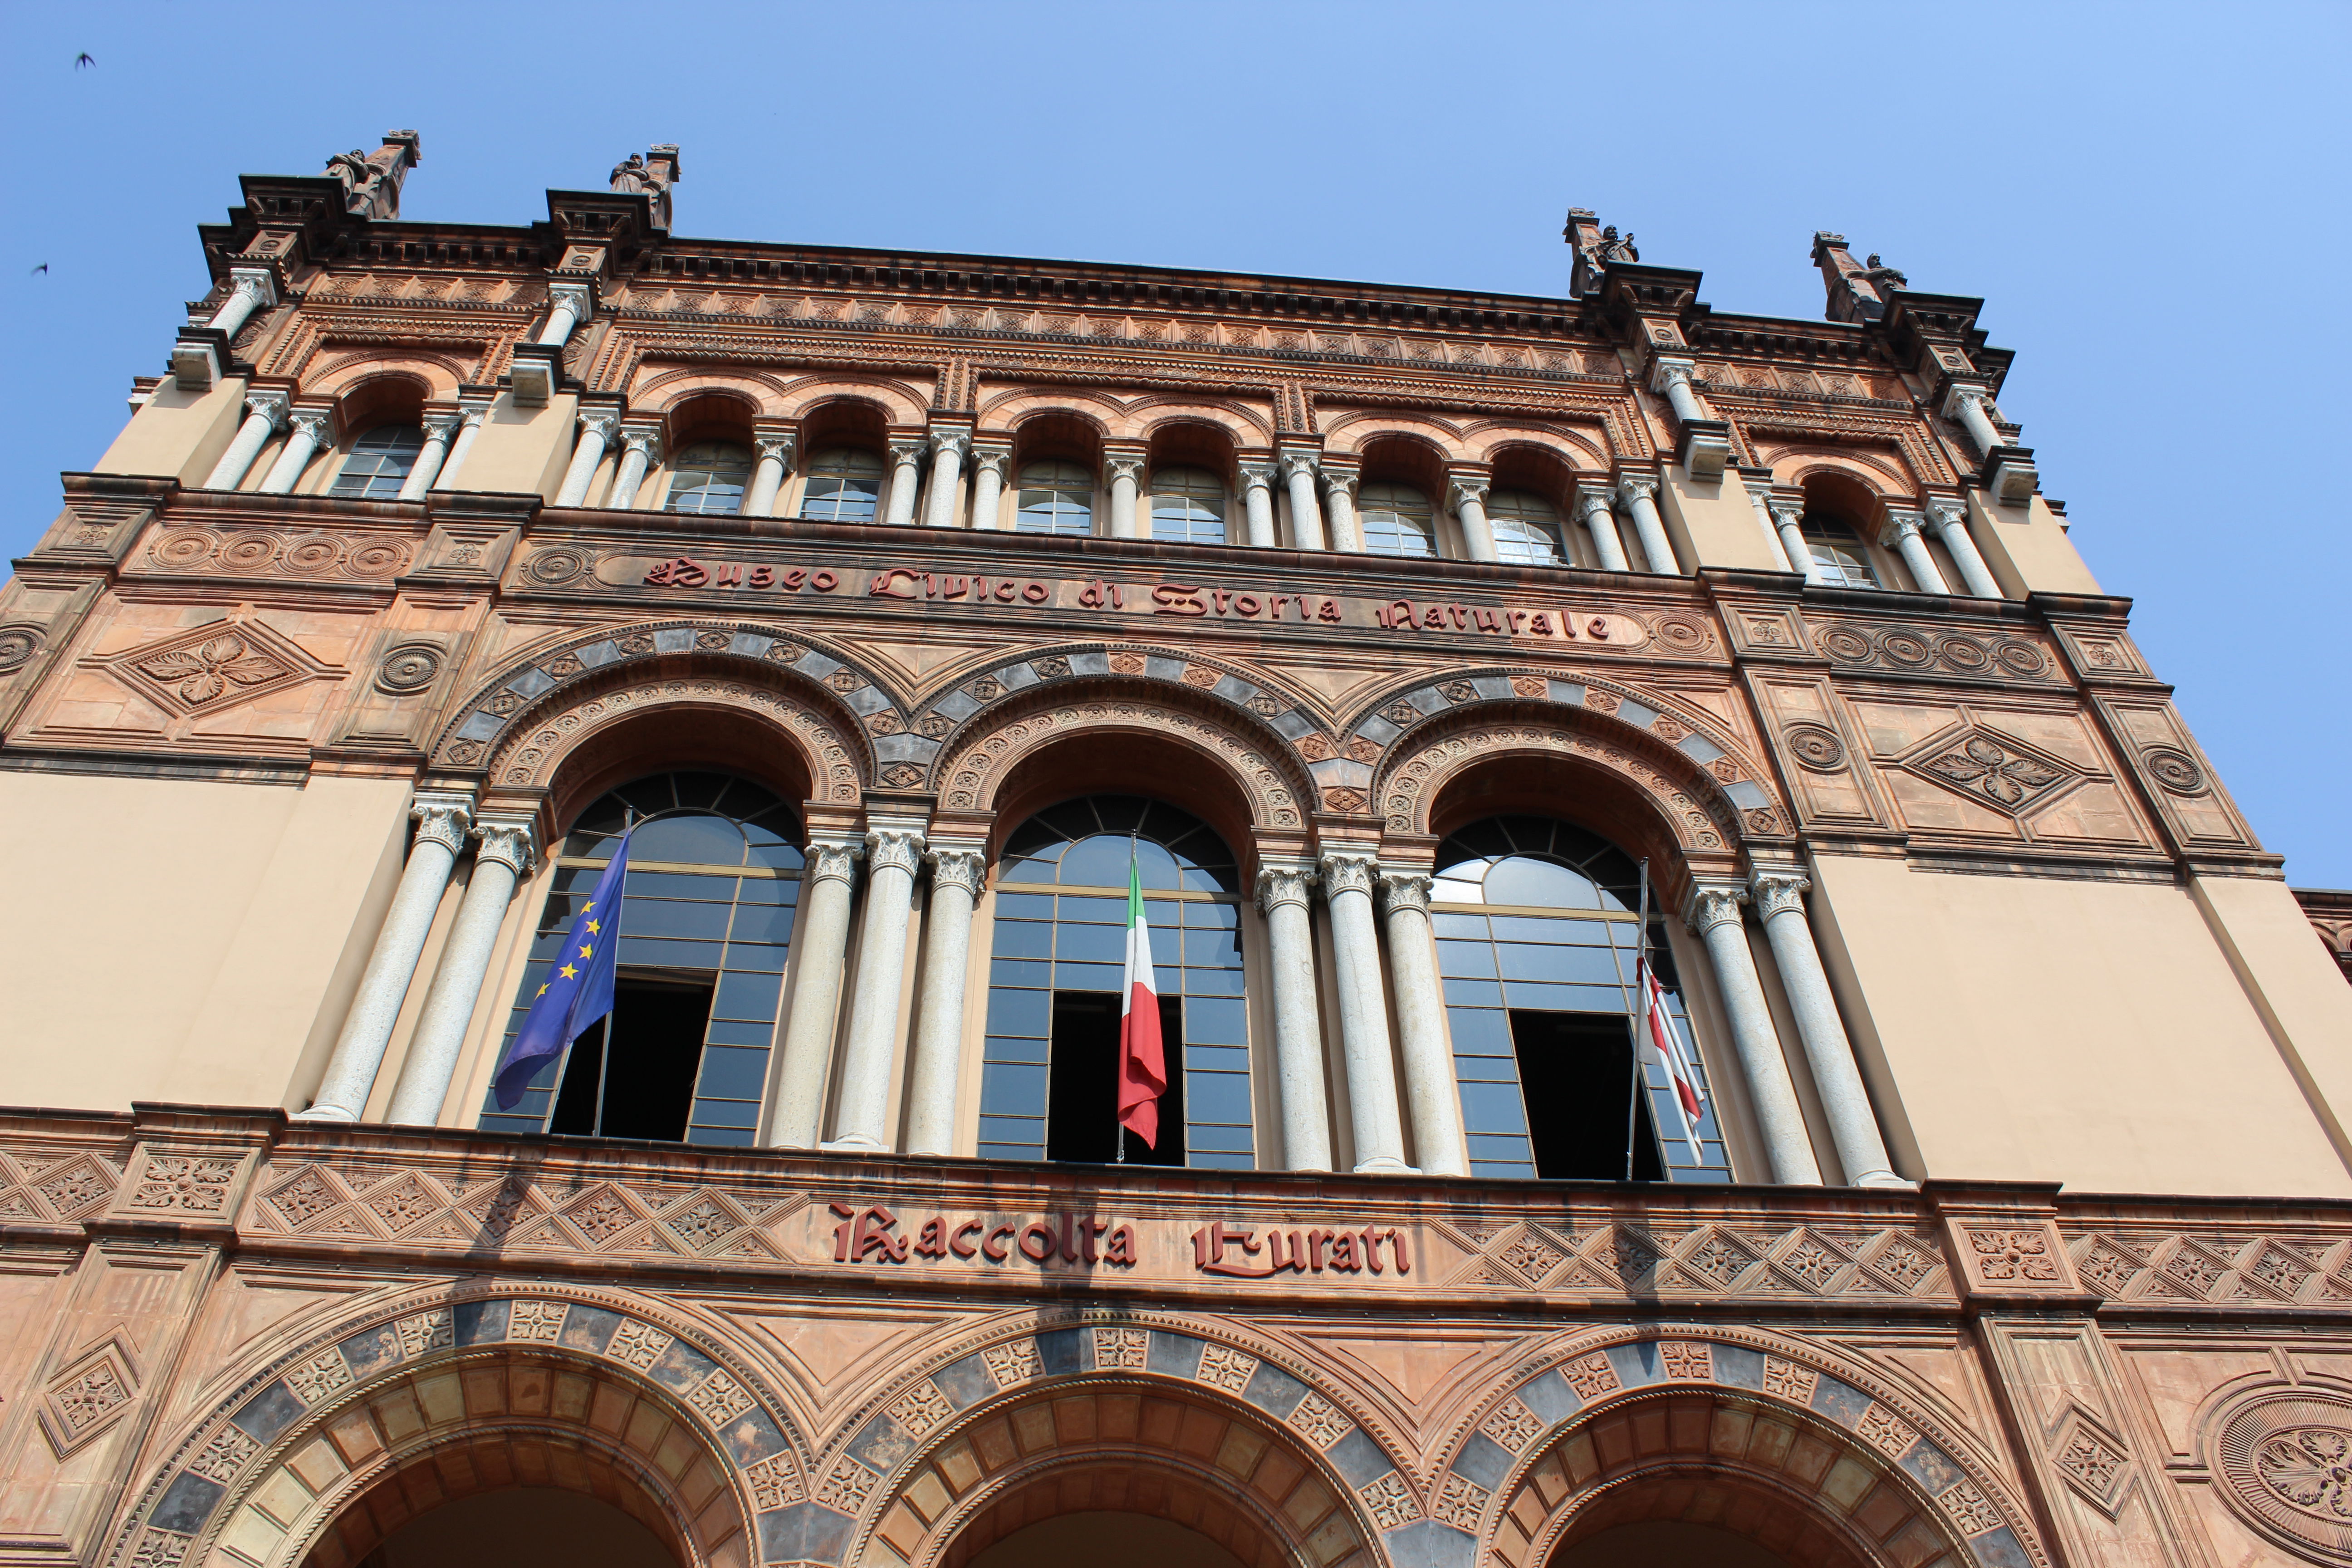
(524, 1527)
(1666, 1544)
(1127, 1540)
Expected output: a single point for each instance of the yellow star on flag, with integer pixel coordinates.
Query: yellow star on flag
(540, 991)
(568, 972)
(594, 926)
(584, 952)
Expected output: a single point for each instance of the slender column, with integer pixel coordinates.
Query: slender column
(1363, 1012)
(1758, 489)
(304, 434)
(1469, 500)
(640, 448)
(470, 417)
(438, 430)
(250, 289)
(1902, 534)
(1306, 517)
(1854, 1126)
(507, 852)
(1949, 518)
(1673, 378)
(1640, 498)
(774, 461)
(1257, 503)
(568, 305)
(1599, 516)
(822, 935)
(990, 468)
(1430, 1090)
(906, 473)
(1124, 476)
(1788, 1150)
(595, 430)
(1788, 514)
(1339, 502)
(264, 413)
(1973, 404)
(891, 856)
(947, 468)
(199, 358)
(939, 1011)
(1297, 1034)
(441, 823)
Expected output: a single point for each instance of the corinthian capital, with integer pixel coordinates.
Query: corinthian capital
(1294, 463)
(1279, 884)
(1127, 469)
(1471, 491)
(1256, 476)
(1670, 372)
(1779, 892)
(1787, 510)
(1589, 501)
(1713, 907)
(893, 849)
(442, 427)
(646, 439)
(1901, 523)
(830, 861)
(601, 424)
(1404, 890)
(779, 447)
(951, 446)
(1944, 512)
(444, 819)
(310, 424)
(270, 405)
(510, 843)
(907, 454)
(1348, 871)
(956, 868)
(1633, 487)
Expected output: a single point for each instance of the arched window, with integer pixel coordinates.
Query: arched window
(1397, 520)
(1527, 529)
(706, 924)
(1538, 937)
(379, 463)
(1838, 551)
(845, 485)
(1188, 507)
(1048, 1090)
(1056, 498)
(710, 476)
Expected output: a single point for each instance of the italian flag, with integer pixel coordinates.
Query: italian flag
(1665, 1048)
(1142, 1065)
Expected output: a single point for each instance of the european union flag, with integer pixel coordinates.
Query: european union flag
(576, 992)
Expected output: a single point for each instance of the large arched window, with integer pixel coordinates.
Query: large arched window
(1527, 529)
(710, 476)
(1538, 935)
(1397, 520)
(1056, 498)
(1839, 551)
(1188, 507)
(706, 926)
(379, 463)
(1047, 1089)
(844, 485)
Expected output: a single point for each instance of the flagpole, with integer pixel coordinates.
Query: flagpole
(604, 1066)
(1633, 1018)
(1126, 1000)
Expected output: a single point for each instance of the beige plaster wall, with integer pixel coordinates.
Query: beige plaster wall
(1712, 522)
(179, 433)
(2294, 984)
(2027, 549)
(520, 449)
(2085, 1032)
(177, 940)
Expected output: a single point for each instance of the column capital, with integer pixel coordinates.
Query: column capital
(1255, 476)
(1280, 885)
(1778, 890)
(512, 841)
(952, 867)
(260, 282)
(441, 425)
(1714, 904)
(1634, 488)
(580, 296)
(1901, 523)
(1340, 482)
(1123, 466)
(1670, 370)
(1591, 496)
(907, 451)
(473, 411)
(310, 422)
(950, 442)
(271, 403)
(643, 436)
(1404, 890)
(832, 857)
(1347, 871)
(1964, 392)
(893, 849)
(1467, 487)
(1294, 463)
(782, 446)
(443, 817)
(1946, 511)
(600, 422)
(1788, 511)
(1758, 484)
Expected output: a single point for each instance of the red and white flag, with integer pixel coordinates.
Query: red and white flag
(1663, 1044)
(1142, 1064)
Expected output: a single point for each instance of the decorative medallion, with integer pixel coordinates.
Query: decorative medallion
(18, 644)
(1999, 771)
(2287, 1465)
(409, 667)
(1815, 746)
(2173, 768)
(554, 568)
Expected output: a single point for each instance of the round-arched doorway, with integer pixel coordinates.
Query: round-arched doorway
(522, 1526)
(1101, 1535)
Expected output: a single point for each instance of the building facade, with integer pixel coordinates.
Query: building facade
(1445, 666)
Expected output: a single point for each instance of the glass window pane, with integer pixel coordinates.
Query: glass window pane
(379, 463)
(842, 485)
(1397, 520)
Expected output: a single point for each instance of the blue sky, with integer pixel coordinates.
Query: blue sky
(2148, 197)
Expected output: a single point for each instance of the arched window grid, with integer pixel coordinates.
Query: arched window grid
(841, 484)
(1536, 922)
(1188, 505)
(1527, 530)
(379, 463)
(1397, 520)
(1061, 927)
(1056, 498)
(709, 478)
(712, 888)
(1839, 551)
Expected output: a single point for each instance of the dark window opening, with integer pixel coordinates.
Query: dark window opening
(1082, 1086)
(1576, 1070)
(647, 1088)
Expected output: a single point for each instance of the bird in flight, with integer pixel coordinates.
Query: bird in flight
(83, 59)
(44, 266)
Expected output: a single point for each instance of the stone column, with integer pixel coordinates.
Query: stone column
(306, 433)
(441, 823)
(939, 1011)
(1759, 489)
(1599, 513)
(1901, 534)
(990, 466)
(1430, 1090)
(1125, 478)
(947, 468)
(1339, 503)
(567, 308)
(1641, 499)
(1788, 514)
(1854, 1126)
(640, 449)
(1974, 407)
(1468, 498)
(906, 473)
(1363, 1012)
(1306, 517)
(1298, 1031)
(250, 288)
(1673, 378)
(507, 852)
(1257, 503)
(470, 418)
(596, 430)
(821, 934)
(1949, 518)
(862, 1125)
(1713, 914)
(264, 413)
(773, 460)
(440, 428)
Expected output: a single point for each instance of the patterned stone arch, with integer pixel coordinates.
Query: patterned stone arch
(1249, 429)
(1815, 1443)
(1094, 1406)
(901, 405)
(436, 375)
(1489, 438)
(1801, 464)
(627, 1387)
(1007, 411)
(666, 390)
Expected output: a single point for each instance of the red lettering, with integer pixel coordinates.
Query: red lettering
(1398, 616)
(933, 1242)
(1318, 1243)
(954, 587)
(1247, 604)
(729, 577)
(930, 586)
(1177, 599)
(841, 1232)
(1072, 1228)
(1117, 598)
(658, 574)
(764, 577)
(1091, 597)
(1460, 621)
(1488, 621)
(1223, 596)
(824, 582)
(1396, 1245)
(885, 584)
(1343, 1253)
(957, 1243)
(1209, 1245)
(1004, 592)
(682, 572)
(1598, 628)
(1372, 1249)
(1122, 1249)
(795, 579)
(1040, 1230)
(1035, 593)
(1278, 600)
(1328, 610)
(873, 1234)
(1088, 1231)
(1433, 618)
(992, 1246)
(1540, 626)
